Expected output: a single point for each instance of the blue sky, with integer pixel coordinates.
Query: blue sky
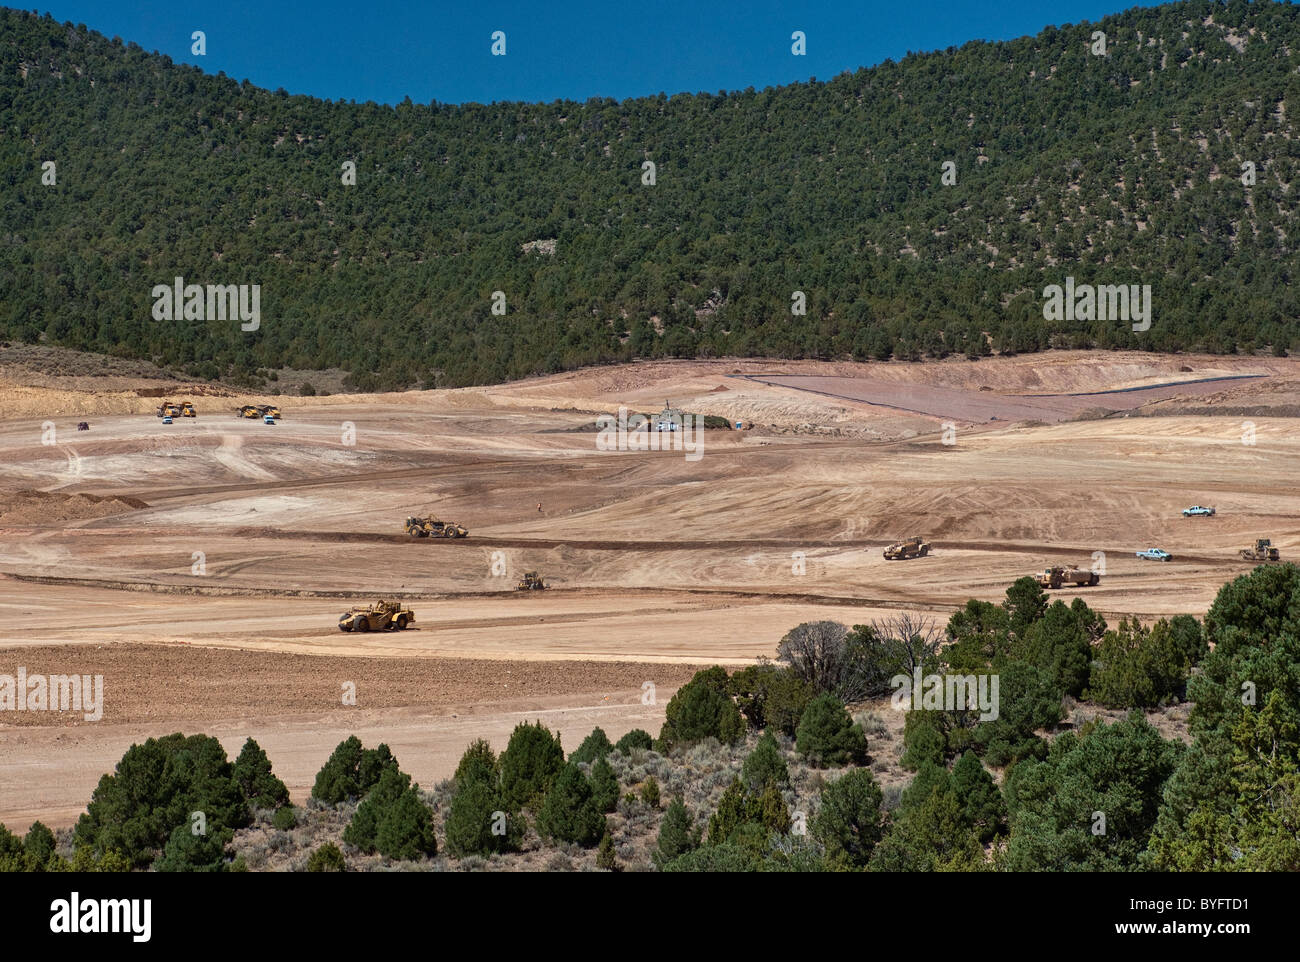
(384, 50)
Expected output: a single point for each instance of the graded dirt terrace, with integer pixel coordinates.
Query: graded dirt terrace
(201, 567)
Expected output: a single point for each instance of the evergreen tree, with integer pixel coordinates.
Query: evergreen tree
(849, 822)
(979, 796)
(765, 764)
(677, 834)
(702, 708)
(596, 745)
(604, 786)
(569, 812)
(529, 764)
(827, 736)
(252, 772)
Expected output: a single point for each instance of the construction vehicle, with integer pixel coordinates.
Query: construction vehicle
(531, 581)
(1263, 551)
(268, 411)
(433, 528)
(168, 410)
(381, 616)
(1057, 576)
(247, 411)
(187, 410)
(911, 548)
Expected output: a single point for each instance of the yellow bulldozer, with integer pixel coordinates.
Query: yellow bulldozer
(531, 581)
(269, 411)
(169, 409)
(433, 528)
(1263, 551)
(187, 410)
(381, 616)
(247, 411)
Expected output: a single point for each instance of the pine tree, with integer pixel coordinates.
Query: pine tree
(252, 771)
(604, 786)
(677, 834)
(605, 857)
(569, 812)
(979, 795)
(596, 745)
(530, 764)
(765, 764)
(828, 736)
(849, 822)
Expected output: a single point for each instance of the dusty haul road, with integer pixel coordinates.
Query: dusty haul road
(201, 567)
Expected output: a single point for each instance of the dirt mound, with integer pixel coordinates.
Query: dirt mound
(29, 506)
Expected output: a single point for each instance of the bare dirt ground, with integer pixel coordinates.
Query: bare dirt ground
(201, 567)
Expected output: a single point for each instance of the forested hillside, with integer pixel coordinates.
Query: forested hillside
(1122, 168)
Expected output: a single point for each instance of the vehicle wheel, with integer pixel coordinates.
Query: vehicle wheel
(360, 623)
(448, 533)
(401, 622)
(344, 626)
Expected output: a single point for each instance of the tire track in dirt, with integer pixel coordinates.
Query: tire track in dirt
(710, 598)
(721, 594)
(623, 546)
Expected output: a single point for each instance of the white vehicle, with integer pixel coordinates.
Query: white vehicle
(1155, 554)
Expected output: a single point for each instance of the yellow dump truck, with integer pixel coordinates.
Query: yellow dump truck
(381, 616)
(1057, 576)
(433, 528)
(911, 548)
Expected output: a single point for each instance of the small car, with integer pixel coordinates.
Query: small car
(1197, 510)
(267, 419)
(1155, 554)
(167, 419)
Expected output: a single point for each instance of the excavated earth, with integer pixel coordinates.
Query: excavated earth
(201, 567)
